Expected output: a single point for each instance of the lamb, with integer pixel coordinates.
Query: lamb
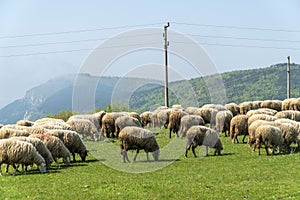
(72, 141)
(25, 123)
(269, 136)
(261, 117)
(95, 118)
(108, 123)
(266, 111)
(85, 128)
(234, 108)
(290, 114)
(146, 118)
(19, 152)
(188, 121)
(8, 133)
(123, 121)
(201, 135)
(238, 126)
(223, 119)
(55, 146)
(209, 115)
(272, 104)
(136, 138)
(40, 147)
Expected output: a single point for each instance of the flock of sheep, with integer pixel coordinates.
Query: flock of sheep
(275, 124)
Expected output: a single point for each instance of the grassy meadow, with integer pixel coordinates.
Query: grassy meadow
(238, 174)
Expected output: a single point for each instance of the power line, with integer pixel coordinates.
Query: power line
(74, 41)
(74, 50)
(236, 27)
(245, 38)
(244, 46)
(78, 31)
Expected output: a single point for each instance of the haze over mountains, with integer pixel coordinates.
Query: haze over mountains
(145, 94)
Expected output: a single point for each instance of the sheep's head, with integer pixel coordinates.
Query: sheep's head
(218, 147)
(155, 154)
(83, 155)
(67, 160)
(42, 167)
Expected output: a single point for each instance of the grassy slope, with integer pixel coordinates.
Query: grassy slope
(239, 173)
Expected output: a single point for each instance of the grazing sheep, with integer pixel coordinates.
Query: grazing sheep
(8, 133)
(25, 123)
(266, 111)
(135, 138)
(95, 118)
(234, 108)
(154, 117)
(290, 114)
(19, 152)
(209, 115)
(272, 104)
(269, 136)
(40, 147)
(72, 141)
(201, 135)
(146, 118)
(238, 126)
(55, 146)
(123, 121)
(218, 107)
(223, 119)
(108, 123)
(84, 127)
(137, 116)
(29, 129)
(261, 117)
(174, 123)
(188, 121)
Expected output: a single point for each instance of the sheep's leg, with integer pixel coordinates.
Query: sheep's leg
(236, 138)
(147, 156)
(187, 149)
(23, 169)
(193, 150)
(0, 170)
(123, 153)
(244, 138)
(6, 168)
(206, 150)
(73, 154)
(137, 152)
(267, 149)
(126, 156)
(170, 133)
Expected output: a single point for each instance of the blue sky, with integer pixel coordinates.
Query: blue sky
(234, 34)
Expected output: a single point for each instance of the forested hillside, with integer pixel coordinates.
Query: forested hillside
(241, 85)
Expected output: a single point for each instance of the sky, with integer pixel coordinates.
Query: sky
(40, 40)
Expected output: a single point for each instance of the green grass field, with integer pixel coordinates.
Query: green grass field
(238, 174)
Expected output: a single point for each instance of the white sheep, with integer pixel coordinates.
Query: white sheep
(269, 136)
(95, 118)
(72, 141)
(202, 135)
(55, 146)
(19, 152)
(136, 138)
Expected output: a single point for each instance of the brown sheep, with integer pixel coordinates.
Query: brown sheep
(174, 123)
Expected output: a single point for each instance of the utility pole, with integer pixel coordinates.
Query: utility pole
(166, 64)
(288, 92)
